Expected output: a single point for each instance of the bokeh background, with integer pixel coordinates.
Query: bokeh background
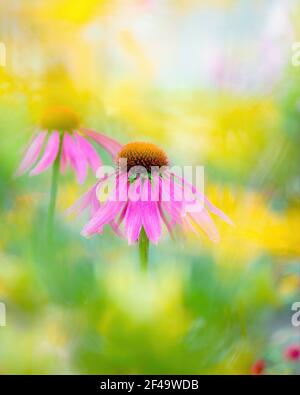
(211, 82)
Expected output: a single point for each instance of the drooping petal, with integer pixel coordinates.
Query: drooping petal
(95, 204)
(133, 221)
(151, 219)
(202, 197)
(135, 190)
(111, 145)
(174, 212)
(175, 208)
(153, 188)
(106, 213)
(168, 223)
(89, 151)
(116, 228)
(204, 221)
(31, 154)
(215, 210)
(121, 217)
(166, 217)
(90, 198)
(171, 190)
(49, 155)
(86, 200)
(76, 157)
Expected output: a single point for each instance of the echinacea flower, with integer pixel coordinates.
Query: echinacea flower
(60, 134)
(292, 353)
(144, 201)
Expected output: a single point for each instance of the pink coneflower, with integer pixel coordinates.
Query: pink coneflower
(62, 136)
(65, 142)
(258, 367)
(292, 353)
(141, 202)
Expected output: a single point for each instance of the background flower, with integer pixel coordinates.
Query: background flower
(66, 139)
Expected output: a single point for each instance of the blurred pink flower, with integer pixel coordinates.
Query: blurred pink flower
(145, 201)
(61, 134)
(292, 353)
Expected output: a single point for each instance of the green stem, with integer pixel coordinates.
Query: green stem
(53, 193)
(143, 250)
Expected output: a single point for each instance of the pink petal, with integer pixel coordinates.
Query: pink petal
(32, 153)
(121, 190)
(95, 204)
(111, 145)
(104, 215)
(174, 212)
(90, 152)
(116, 228)
(215, 210)
(175, 208)
(122, 214)
(76, 157)
(106, 212)
(204, 220)
(49, 155)
(152, 189)
(202, 197)
(133, 221)
(135, 190)
(169, 224)
(85, 200)
(151, 219)
(88, 199)
(171, 190)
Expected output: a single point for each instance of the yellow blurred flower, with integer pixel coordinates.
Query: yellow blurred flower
(75, 11)
(258, 228)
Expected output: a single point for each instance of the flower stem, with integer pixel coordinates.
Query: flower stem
(143, 250)
(53, 193)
